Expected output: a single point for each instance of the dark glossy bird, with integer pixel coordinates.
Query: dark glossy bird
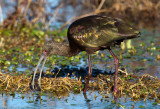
(90, 34)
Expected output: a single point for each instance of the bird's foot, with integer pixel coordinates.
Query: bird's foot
(115, 90)
(85, 89)
(116, 93)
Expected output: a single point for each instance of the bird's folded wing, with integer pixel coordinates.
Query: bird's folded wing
(101, 31)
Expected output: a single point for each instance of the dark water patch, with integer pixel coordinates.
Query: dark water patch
(78, 71)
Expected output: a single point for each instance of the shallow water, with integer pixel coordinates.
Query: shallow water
(72, 101)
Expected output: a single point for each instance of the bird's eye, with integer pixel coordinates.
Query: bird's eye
(45, 52)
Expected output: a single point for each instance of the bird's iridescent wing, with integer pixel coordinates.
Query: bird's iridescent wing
(98, 31)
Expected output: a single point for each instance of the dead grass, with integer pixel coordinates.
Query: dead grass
(136, 87)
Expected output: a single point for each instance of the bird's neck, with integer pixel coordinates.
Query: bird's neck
(65, 50)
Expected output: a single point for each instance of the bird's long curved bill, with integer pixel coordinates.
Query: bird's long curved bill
(35, 71)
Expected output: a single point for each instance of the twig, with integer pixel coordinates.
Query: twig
(75, 18)
(88, 4)
(57, 73)
(97, 11)
(1, 14)
(100, 6)
(1, 42)
(27, 7)
(53, 16)
(125, 72)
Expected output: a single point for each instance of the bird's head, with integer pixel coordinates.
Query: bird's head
(47, 48)
(50, 47)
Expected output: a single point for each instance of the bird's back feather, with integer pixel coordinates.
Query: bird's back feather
(97, 31)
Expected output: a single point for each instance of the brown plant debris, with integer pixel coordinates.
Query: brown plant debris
(136, 87)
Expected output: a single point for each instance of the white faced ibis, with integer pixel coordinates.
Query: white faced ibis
(89, 34)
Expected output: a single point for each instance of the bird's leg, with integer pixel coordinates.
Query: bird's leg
(116, 61)
(89, 73)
